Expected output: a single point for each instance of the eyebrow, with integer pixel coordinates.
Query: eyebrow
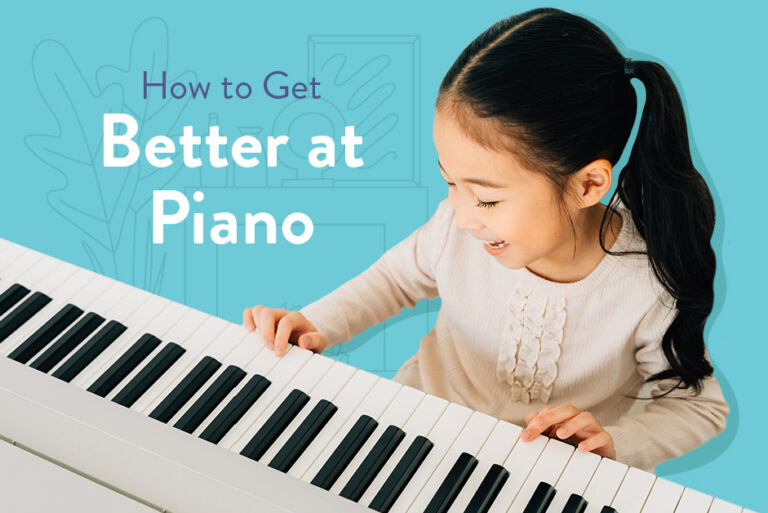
(477, 181)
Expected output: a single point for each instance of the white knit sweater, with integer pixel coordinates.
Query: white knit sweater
(507, 341)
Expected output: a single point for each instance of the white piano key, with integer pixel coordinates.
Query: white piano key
(420, 422)
(664, 497)
(142, 320)
(118, 303)
(84, 289)
(633, 491)
(327, 388)
(472, 436)
(280, 377)
(70, 291)
(27, 272)
(15, 261)
(721, 506)
(442, 435)
(550, 465)
(209, 333)
(494, 451)
(242, 356)
(519, 464)
(346, 402)
(407, 402)
(574, 478)
(46, 276)
(189, 320)
(161, 323)
(693, 501)
(373, 405)
(251, 356)
(311, 373)
(265, 359)
(604, 484)
(221, 347)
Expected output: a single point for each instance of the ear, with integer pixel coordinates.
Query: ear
(593, 181)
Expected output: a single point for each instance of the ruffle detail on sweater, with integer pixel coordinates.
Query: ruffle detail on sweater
(530, 348)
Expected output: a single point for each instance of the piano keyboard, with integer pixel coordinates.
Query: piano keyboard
(186, 412)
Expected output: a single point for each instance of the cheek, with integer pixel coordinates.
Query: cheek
(530, 227)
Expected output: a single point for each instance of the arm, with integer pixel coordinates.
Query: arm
(402, 276)
(672, 425)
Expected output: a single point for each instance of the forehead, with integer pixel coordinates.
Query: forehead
(461, 156)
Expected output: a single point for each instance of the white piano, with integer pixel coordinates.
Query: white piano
(115, 399)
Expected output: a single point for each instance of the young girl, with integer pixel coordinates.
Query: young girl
(555, 308)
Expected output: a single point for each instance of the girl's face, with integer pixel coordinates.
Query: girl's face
(495, 199)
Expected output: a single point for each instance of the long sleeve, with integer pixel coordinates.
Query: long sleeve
(675, 424)
(402, 276)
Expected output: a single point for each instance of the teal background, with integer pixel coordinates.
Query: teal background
(379, 65)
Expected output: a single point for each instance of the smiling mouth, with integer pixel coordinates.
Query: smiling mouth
(496, 243)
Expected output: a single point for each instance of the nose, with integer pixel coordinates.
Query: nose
(465, 215)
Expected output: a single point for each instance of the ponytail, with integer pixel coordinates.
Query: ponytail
(673, 210)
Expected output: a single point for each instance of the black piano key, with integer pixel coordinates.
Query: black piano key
(303, 436)
(124, 365)
(22, 313)
(345, 452)
(147, 376)
(89, 351)
(186, 388)
(576, 504)
(452, 484)
(608, 509)
(277, 422)
(208, 401)
(540, 499)
(11, 296)
(402, 474)
(371, 465)
(488, 490)
(236, 408)
(47, 332)
(67, 342)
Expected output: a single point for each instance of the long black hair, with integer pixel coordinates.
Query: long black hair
(553, 85)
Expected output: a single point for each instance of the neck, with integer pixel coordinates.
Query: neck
(565, 266)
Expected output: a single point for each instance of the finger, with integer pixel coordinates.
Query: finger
(255, 312)
(267, 320)
(581, 422)
(530, 417)
(546, 418)
(314, 341)
(248, 322)
(284, 328)
(595, 442)
(550, 431)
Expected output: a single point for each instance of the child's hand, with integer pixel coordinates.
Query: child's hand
(291, 326)
(571, 425)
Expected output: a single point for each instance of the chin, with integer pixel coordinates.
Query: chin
(511, 263)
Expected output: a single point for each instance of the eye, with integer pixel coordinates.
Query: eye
(486, 204)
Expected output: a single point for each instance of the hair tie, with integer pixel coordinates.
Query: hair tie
(629, 68)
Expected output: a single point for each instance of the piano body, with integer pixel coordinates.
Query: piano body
(116, 399)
